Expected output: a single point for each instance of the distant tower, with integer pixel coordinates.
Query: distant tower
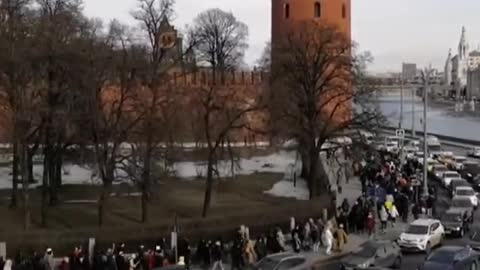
(463, 48)
(448, 68)
(287, 13)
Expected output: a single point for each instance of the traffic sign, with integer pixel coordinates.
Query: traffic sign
(400, 133)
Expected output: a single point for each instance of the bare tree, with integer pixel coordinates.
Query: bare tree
(319, 90)
(157, 99)
(111, 103)
(221, 43)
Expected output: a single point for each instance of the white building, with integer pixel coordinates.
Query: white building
(458, 67)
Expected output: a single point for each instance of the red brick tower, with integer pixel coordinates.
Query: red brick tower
(286, 13)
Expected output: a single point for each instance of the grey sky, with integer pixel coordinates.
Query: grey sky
(419, 31)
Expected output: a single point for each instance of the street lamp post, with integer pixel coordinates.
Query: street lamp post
(426, 77)
(413, 112)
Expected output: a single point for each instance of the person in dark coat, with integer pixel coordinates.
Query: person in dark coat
(217, 256)
(237, 256)
(122, 263)
(261, 248)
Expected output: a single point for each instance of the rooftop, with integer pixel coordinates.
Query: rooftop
(424, 221)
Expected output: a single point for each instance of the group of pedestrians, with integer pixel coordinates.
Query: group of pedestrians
(390, 191)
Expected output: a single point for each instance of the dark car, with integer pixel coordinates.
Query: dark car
(463, 204)
(476, 183)
(374, 254)
(474, 239)
(457, 183)
(471, 169)
(285, 260)
(451, 258)
(455, 223)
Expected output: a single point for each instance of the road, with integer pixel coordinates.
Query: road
(411, 261)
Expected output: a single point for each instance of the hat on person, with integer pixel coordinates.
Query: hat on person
(157, 248)
(341, 226)
(49, 250)
(181, 260)
(217, 243)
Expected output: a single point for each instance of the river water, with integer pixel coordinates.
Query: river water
(442, 119)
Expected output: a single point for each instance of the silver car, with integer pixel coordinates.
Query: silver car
(374, 254)
(291, 261)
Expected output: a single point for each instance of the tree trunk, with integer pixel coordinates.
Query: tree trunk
(104, 195)
(45, 187)
(13, 196)
(26, 196)
(209, 185)
(58, 169)
(52, 169)
(31, 179)
(305, 164)
(312, 174)
(146, 176)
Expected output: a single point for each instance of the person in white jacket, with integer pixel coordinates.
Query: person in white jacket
(327, 238)
(8, 265)
(394, 214)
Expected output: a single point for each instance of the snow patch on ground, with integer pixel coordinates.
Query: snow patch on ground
(285, 189)
(274, 163)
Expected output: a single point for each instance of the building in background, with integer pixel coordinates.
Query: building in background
(409, 71)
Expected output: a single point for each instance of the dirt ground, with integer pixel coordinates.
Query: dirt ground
(235, 201)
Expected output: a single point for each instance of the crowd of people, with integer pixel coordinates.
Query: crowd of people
(242, 251)
(390, 190)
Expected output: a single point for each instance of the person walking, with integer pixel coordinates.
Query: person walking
(8, 265)
(48, 260)
(327, 238)
(383, 218)
(370, 223)
(341, 237)
(314, 236)
(393, 215)
(217, 256)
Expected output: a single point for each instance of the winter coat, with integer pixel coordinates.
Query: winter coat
(49, 262)
(341, 238)
(393, 212)
(8, 265)
(327, 237)
(250, 251)
(280, 239)
(216, 253)
(383, 214)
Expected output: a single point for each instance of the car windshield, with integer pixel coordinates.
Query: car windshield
(465, 192)
(451, 175)
(461, 203)
(460, 160)
(441, 256)
(452, 217)
(417, 229)
(367, 251)
(475, 236)
(266, 264)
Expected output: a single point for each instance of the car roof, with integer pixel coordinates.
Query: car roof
(462, 157)
(454, 211)
(424, 221)
(451, 248)
(283, 256)
(452, 172)
(464, 188)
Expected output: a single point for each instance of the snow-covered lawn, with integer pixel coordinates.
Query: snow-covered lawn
(284, 162)
(275, 163)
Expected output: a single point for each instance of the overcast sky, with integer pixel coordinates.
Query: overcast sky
(395, 31)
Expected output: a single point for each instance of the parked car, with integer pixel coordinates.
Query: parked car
(463, 204)
(456, 163)
(374, 254)
(285, 261)
(456, 183)
(422, 235)
(466, 192)
(474, 152)
(448, 176)
(451, 258)
(454, 222)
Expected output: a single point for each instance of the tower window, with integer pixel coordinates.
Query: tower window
(344, 11)
(318, 10)
(287, 11)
